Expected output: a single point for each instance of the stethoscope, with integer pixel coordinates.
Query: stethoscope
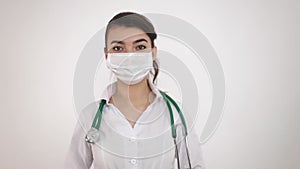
(93, 134)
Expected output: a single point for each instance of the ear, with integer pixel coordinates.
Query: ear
(154, 52)
(105, 52)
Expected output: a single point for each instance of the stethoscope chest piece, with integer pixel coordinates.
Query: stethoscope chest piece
(92, 136)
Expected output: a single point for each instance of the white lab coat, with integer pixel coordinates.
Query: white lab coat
(149, 145)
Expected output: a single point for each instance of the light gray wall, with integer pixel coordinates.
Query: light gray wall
(257, 43)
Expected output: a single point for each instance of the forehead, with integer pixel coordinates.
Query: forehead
(126, 34)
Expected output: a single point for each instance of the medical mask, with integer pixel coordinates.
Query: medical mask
(130, 68)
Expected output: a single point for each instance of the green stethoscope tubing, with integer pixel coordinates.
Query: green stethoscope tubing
(168, 99)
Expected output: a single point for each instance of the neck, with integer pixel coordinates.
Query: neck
(134, 93)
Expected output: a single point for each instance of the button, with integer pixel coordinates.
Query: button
(132, 139)
(133, 161)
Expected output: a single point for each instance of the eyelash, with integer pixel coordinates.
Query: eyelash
(119, 48)
(143, 46)
(115, 48)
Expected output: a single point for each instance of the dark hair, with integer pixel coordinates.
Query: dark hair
(131, 19)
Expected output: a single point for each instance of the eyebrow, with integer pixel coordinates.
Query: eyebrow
(136, 41)
(117, 41)
(140, 40)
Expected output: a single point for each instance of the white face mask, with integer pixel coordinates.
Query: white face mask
(130, 68)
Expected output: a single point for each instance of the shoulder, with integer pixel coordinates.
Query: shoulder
(87, 114)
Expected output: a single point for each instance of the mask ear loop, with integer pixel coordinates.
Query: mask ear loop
(111, 77)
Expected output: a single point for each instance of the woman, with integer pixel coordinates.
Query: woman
(135, 130)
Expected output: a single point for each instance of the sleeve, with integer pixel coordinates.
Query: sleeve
(194, 150)
(79, 155)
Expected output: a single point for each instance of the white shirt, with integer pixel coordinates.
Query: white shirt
(148, 145)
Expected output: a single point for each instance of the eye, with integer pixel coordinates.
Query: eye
(140, 47)
(117, 48)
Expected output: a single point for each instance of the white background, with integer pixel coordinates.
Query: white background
(257, 43)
